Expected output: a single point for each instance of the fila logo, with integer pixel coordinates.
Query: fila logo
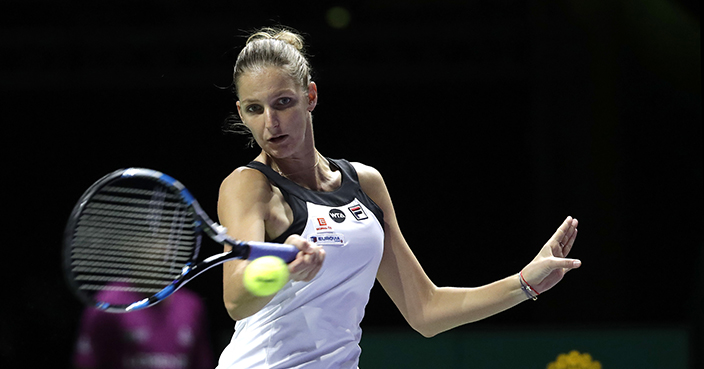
(358, 212)
(337, 215)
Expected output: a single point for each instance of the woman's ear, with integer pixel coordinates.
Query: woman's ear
(239, 111)
(312, 96)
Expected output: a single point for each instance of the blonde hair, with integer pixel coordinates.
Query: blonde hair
(269, 47)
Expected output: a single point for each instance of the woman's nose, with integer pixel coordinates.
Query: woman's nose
(271, 118)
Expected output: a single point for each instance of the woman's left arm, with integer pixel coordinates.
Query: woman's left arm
(430, 309)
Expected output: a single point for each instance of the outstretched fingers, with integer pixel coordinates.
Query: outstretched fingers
(568, 245)
(563, 239)
(551, 264)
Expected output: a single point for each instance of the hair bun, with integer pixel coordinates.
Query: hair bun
(282, 34)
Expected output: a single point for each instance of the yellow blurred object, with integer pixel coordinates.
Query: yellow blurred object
(574, 360)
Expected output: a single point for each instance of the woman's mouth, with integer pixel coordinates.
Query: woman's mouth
(278, 139)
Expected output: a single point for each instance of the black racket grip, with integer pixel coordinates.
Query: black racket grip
(284, 251)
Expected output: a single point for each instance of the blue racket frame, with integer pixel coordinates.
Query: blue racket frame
(203, 224)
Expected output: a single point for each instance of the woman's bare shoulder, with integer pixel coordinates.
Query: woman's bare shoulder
(245, 184)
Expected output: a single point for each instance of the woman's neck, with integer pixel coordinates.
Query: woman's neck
(311, 171)
(292, 167)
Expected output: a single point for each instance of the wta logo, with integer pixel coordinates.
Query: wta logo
(337, 215)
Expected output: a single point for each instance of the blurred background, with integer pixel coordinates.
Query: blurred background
(491, 121)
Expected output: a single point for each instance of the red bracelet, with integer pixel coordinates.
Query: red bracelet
(528, 284)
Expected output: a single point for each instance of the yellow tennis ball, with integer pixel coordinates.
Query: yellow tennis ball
(266, 275)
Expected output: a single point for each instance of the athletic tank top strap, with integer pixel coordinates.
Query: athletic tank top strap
(297, 196)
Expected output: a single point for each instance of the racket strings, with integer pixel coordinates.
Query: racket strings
(124, 240)
(99, 210)
(132, 237)
(93, 269)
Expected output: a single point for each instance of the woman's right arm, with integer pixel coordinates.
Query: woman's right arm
(243, 208)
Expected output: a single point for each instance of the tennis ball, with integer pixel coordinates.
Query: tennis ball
(266, 275)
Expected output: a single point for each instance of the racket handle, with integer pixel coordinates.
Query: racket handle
(284, 251)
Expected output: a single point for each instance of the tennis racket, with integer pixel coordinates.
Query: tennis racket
(134, 237)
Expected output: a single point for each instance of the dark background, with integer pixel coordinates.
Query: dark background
(491, 121)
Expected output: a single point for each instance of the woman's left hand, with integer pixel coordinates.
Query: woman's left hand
(551, 264)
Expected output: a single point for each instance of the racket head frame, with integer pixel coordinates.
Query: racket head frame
(202, 223)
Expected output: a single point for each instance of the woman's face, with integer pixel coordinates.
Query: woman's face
(277, 111)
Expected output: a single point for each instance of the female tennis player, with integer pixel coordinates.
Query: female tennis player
(341, 217)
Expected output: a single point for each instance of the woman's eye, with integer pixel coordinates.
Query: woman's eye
(253, 108)
(284, 101)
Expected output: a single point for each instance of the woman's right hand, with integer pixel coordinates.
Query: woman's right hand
(308, 261)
